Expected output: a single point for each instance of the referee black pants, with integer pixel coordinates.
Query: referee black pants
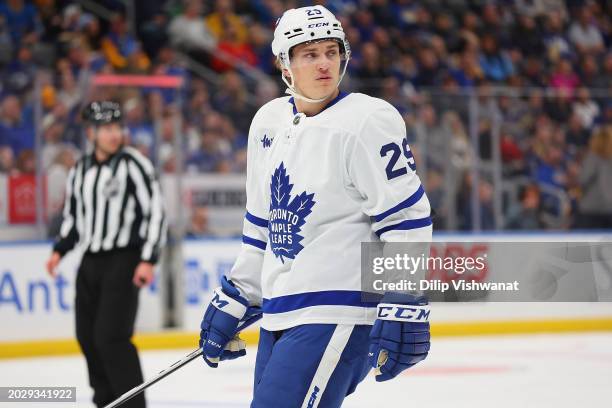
(106, 305)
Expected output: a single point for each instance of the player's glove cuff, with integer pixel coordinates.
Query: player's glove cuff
(402, 307)
(228, 300)
(221, 320)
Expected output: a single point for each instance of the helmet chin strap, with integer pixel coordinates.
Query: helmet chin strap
(291, 90)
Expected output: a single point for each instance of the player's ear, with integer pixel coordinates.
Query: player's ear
(280, 67)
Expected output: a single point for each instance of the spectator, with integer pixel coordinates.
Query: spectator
(199, 224)
(7, 160)
(141, 131)
(167, 151)
(232, 101)
(435, 136)
(559, 107)
(564, 79)
(52, 132)
(527, 213)
(6, 43)
(69, 94)
(595, 205)
(22, 21)
(495, 63)
(199, 101)
(364, 22)
(462, 155)
(404, 69)
(92, 35)
(16, 129)
(223, 18)
(26, 162)
(485, 201)
(576, 136)
(19, 75)
(589, 71)
(168, 64)
(550, 168)
(370, 69)
(585, 35)
(429, 73)
(188, 32)
(468, 72)
(603, 81)
(231, 51)
(533, 71)
(259, 41)
(121, 49)
(541, 8)
(527, 37)
(585, 108)
(391, 92)
(209, 157)
(554, 37)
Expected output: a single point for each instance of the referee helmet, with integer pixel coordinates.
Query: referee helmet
(102, 112)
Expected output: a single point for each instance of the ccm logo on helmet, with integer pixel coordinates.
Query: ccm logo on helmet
(314, 25)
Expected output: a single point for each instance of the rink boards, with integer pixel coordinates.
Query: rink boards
(37, 311)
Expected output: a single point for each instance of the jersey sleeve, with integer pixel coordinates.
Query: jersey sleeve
(246, 272)
(382, 169)
(148, 194)
(69, 234)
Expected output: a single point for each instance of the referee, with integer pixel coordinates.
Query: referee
(113, 209)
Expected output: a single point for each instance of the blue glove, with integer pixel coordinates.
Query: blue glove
(225, 311)
(236, 346)
(400, 336)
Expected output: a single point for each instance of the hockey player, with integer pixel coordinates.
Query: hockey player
(326, 171)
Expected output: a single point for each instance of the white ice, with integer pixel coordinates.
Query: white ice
(565, 370)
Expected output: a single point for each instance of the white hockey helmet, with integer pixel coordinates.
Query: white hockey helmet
(304, 25)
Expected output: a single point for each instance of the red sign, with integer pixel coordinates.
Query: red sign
(22, 199)
(474, 254)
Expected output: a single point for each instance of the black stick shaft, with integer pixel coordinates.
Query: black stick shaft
(172, 368)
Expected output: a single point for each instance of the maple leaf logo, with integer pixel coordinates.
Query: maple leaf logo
(287, 215)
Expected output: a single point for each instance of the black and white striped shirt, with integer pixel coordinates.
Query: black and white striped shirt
(113, 204)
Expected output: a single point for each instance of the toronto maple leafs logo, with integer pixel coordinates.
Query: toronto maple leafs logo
(266, 141)
(287, 215)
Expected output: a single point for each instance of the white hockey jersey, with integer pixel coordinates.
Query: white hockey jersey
(316, 188)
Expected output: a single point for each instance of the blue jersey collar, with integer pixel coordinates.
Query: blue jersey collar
(334, 101)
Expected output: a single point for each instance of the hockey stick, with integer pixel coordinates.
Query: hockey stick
(172, 368)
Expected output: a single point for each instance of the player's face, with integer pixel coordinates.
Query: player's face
(316, 68)
(109, 138)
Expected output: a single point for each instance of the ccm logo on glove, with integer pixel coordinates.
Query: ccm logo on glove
(417, 314)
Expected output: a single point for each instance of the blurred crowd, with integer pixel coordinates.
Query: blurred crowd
(524, 83)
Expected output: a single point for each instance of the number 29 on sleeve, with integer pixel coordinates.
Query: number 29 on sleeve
(396, 152)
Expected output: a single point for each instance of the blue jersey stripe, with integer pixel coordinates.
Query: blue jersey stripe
(406, 225)
(260, 222)
(254, 242)
(289, 303)
(409, 202)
